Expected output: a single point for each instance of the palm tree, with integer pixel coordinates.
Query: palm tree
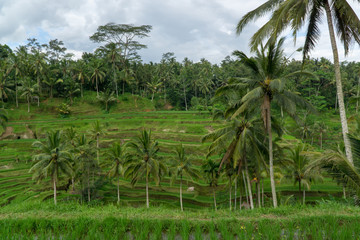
(145, 161)
(15, 65)
(211, 171)
(181, 167)
(300, 168)
(86, 166)
(28, 89)
(113, 56)
(294, 14)
(97, 74)
(106, 98)
(52, 160)
(71, 88)
(39, 63)
(154, 86)
(97, 131)
(4, 88)
(117, 157)
(266, 85)
(81, 74)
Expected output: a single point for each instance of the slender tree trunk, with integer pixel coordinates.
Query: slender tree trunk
(186, 108)
(271, 161)
(246, 192)
(235, 192)
(344, 192)
(304, 195)
(97, 149)
(181, 202)
(299, 190)
(258, 194)
(81, 90)
(51, 92)
(118, 190)
(147, 188)
(240, 199)
(116, 86)
(88, 181)
(339, 89)
(321, 141)
(54, 181)
(97, 86)
(214, 194)
(16, 93)
(249, 186)
(262, 192)
(28, 100)
(72, 184)
(230, 193)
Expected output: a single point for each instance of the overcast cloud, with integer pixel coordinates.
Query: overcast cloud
(190, 28)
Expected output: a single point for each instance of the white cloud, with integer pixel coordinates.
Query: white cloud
(190, 28)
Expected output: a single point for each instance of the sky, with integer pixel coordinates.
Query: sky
(189, 28)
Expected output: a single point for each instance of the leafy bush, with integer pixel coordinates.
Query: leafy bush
(64, 110)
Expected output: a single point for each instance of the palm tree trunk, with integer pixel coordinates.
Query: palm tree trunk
(304, 196)
(81, 90)
(344, 192)
(235, 192)
(262, 192)
(186, 108)
(181, 203)
(147, 188)
(116, 86)
(230, 193)
(258, 193)
(97, 87)
(240, 199)
(88, 182)
(16, 93)
(249, 186)
(118, 190)
(299, 190)
(321, 141)
(271, 160)
(214, 194)
(246, 192)
(28, 100)
(97, 149)
(72, 184)
(54, 181)
(339, 89)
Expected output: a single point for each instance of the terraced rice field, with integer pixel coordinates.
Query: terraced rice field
(169, 128)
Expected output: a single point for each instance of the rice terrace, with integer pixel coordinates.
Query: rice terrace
(261, 143)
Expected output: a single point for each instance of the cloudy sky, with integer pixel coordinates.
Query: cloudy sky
(190, 28)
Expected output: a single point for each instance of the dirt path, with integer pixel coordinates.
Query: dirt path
(8, 132)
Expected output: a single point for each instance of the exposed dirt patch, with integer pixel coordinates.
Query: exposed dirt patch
(209, 128)
(9, 133)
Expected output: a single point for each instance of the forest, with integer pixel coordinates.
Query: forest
(260, 145)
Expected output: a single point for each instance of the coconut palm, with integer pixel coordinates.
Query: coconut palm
(300, 168)
(267, 85)
(4, 88)
(96, 131)
(294, 14)
(113, 55)
(15, 65)
(211, 171)
(106, 98)
(116, 156)
(52, 159)
(28, 90)
(85, 165)
(145, 162)
(81, 74)
(181, 167)
(97, 73)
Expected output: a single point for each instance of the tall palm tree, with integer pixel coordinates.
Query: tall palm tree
(116, 157)
(211, 171)
(97, 73)
(3, 118)
(181, 167)
(96, 131)
(113, 55)
(4, 87)
(145, 162)
(81, 74)
(52, 160)
(294, 14)
(86, 164)
(15, 65)
(39, 63)
(266, 85)
(28, 89)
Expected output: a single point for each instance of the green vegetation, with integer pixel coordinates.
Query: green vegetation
(249, 138)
